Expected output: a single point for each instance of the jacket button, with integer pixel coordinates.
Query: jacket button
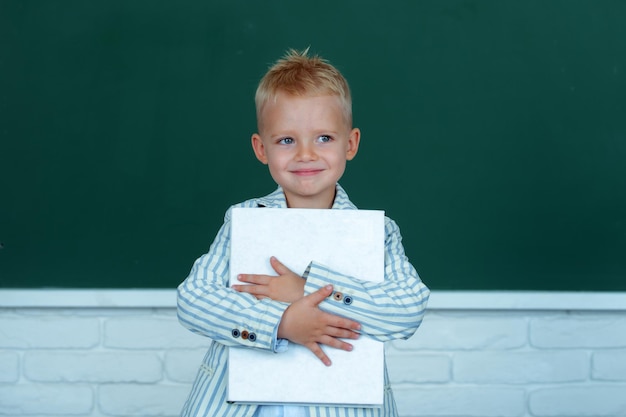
(338, 296)
(251, 337)
(245, 335)
(235, 333)
(347, 300)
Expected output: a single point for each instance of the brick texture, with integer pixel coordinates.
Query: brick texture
(489, 367)
(47, 366)
(596, 401)
(609, 365)
(572, 331)
(57, 400)
(9, 367)
(139, 362)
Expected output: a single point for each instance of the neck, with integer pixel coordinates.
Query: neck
(310, 203)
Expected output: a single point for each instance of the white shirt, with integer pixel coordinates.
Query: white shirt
(280, 411)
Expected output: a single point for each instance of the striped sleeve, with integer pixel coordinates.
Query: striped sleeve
(209, 307)
(392, 309)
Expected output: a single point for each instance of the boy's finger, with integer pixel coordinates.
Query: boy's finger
(342, 322)
(278, 266)
(343, 333)
(255, 290)
(317, 351)
(254, 279)
(336, 343)
(319, 295)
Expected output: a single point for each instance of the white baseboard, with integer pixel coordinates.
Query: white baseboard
(439, 300)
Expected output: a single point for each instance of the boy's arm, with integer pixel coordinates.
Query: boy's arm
(209, 307)
(286, 286)
(387, 310)
(305, 324)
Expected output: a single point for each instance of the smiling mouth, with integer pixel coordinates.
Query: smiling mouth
(306, 172)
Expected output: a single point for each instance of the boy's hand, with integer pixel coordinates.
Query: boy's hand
(286, 287)
(305, 324)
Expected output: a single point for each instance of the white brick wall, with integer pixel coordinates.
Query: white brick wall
(107, 357)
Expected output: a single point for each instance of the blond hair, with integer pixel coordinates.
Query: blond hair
(298, 74)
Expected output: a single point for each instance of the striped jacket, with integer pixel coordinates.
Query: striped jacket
(209, 307)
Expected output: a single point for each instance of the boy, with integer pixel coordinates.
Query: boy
(305, 136)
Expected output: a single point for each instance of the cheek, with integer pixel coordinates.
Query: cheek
(276, 159)
(337, 163)
(339, 157)
(276, 171)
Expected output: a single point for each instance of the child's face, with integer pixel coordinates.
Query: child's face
(306, 142)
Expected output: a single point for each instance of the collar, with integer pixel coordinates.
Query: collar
(277, 200)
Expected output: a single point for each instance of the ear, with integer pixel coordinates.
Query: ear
(353, 143)
(259, 148)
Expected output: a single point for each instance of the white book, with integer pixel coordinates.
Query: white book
(347, 241)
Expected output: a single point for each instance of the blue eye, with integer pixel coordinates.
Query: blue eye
(286, 141)
(324, 139)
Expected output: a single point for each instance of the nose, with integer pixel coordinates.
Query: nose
(305, 152)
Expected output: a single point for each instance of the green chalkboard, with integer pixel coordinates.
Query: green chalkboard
(493, 132)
